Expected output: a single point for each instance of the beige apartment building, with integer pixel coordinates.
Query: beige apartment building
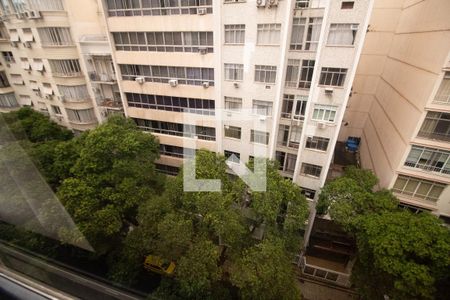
(400, 106)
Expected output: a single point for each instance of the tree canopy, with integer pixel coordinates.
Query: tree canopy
(208, 233)
(400, 254)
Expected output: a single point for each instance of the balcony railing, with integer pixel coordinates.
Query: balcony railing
(434, 136)
(110, 103)
(426, 167)
(102, 77)
(324, 274)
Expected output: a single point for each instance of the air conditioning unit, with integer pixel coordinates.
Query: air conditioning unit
(205, 84)
(202, 50)
(27, 45)
(236, 84)
(19, 16)
(321, 125)
(49, 97)
(140, 80)
(329, 90)
(201, 11)
(38, 93)
(260, 3)
(14, 44)
(262, 118)
(273, 3)
(34, 14)
(8, 65)
(173, 82)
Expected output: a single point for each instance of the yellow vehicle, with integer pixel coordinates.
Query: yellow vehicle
(159, 265)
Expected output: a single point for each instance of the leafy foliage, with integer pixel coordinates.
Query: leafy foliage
(405, 252)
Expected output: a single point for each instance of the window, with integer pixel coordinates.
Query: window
(232, 132)
(175, 151)
(122, 8)
(429, 159)
(45, 5)
(24, 100)
(305, 34)
(25, 64)
(14, 35)
(436, 126)
(164, 41)
(268, 34)
(74, 93)
(233, 104)
(289, 136)
(232, 156)
(55, 36)
(332, 76)
(347, 4)
(311, 170)
(17, 79)
(166, 169)
(8, 100)
(38, 65)
(325, 113)
(316, 142)
(266, 74)
(171, 103)
(342, 34)
(259, 137)
(34, 85)
(308, 193)
(81, 116)
(8, 56)
(162, 74)
(3, 80)
(294, 106)
(56, 110)
(262, 108)
(287, 161)
(234, 72)
(65, 67)
(299, 73)
(177, 129)
(443, 93)
(27, 35)
(302, 3)
(418, 188)
(235, 34)
(47, 88)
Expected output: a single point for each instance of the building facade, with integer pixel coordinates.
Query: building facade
(400, 105)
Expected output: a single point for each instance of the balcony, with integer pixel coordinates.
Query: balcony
(102, 77)
(110, 103)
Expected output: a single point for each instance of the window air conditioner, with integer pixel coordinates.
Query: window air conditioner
(262, 118)
(202, 50)
(140, 80)
(14, 44)
(273, 3)
(260, 3)
(49, 97)
(329, 90)
(34, 14)
(19, 16)
(201, 11)
(27, 45)
(173, 82)
(236, 84)
(205, 84)
(321, 125)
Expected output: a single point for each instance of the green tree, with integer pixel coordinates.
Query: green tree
(113, 173)
(264, 271)
(401, 255)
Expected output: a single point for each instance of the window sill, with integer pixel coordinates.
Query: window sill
(330, 86)
(310, 176)
(316, 150)
(231, 138)
(341, 46)
(235, 2)
(229, 44)
(268, 45)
